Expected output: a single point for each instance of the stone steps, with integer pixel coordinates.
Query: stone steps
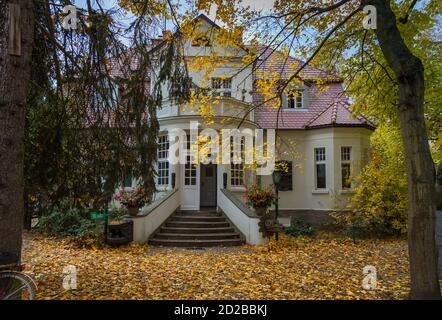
(196, 230)
(196, 243)
(197, 236)
(206, 228)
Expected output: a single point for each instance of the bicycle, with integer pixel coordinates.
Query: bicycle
(15, 285)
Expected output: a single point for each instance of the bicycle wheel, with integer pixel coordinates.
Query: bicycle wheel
(15, 285)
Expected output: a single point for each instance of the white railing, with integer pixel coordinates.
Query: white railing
(223, 106)
(241, 216)
(154, 215)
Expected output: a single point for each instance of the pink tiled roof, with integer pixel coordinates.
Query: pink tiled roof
(338, 114)
(128, 61)
(327, 102)
(271, 60)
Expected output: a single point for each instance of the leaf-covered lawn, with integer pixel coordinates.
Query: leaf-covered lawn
(325, 267)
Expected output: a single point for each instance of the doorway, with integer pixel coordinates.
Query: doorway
(208, 185)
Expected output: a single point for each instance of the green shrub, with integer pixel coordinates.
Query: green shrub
(300, 228)
(64, 220)
(117, 214)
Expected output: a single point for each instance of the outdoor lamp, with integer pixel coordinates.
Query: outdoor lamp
(173, 180)
(276, 176)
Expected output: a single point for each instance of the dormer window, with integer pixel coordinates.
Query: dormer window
(295, 99)
(222, 87)
(202, 41)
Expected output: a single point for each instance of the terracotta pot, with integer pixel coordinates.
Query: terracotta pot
(133, 211)
(260, 211)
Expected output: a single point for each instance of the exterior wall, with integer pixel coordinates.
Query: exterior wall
(154, 215)
(304, 195)
(190, 195)
(242, 217)
(242, 83)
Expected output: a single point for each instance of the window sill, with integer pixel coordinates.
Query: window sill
(320, 191)
(347, 191)
(237, 188)
(296, 109)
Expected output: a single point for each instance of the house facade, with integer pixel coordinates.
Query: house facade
(318, 140)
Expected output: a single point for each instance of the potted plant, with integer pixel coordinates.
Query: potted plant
(260, 198)
(133, 200)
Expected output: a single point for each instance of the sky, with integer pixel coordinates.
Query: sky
(254, 4)
(264, 5)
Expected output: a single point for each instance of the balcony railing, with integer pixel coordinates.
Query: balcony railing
(222, 107)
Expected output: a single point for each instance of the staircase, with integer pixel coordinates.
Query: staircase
(197, 229)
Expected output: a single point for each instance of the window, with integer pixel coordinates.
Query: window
(222, 86)
(294, 100)
(237, 170)
(286, 169)
(189, 168)
(127, 179)
(320, 169)
(202, 41)
(345, 167)
(163, 162)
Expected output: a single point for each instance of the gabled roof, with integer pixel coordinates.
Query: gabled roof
(160, 42)
(328, 106)
(271, 60)
(338, 115)
(208, 20)
(327, 101)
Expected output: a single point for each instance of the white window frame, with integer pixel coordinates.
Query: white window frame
(347, 161)
(237, 170)
(163, 168)
(222, 87)
(322, 159)
(190, 170)
(292, 98)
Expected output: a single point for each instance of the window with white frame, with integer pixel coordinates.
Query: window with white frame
(346, 167)
(222, 86)
(189, 167)
(295, 99)
(320, 168)
(237, 170)
(163, 162)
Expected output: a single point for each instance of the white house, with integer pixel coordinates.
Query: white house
(322, 144)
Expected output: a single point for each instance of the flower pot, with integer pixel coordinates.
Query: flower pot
(260, 211)
(133, 211)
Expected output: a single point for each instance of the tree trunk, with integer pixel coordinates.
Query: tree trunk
(15, 68)
(409, 73)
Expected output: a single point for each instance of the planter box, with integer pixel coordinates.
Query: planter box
(120, 233)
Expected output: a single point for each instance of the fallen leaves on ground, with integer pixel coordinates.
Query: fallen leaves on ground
(324, 267)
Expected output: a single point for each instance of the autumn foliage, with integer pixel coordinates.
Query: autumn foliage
(324, 267)
(380, 202)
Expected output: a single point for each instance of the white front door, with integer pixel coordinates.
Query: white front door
(190, 186)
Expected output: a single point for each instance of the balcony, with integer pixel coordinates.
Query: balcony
(221, 106)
